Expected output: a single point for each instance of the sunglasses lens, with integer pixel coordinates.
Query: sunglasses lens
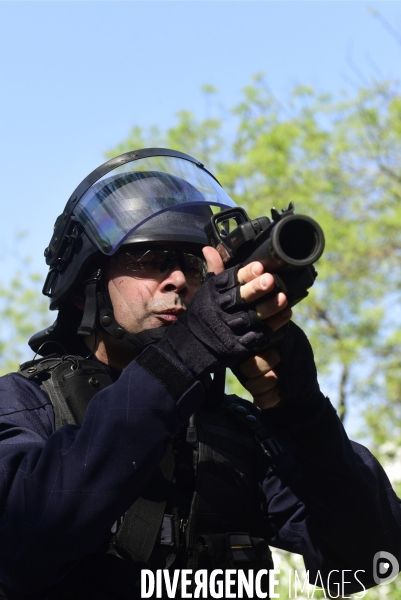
(195, 267)
(141, 262)
(151, 263)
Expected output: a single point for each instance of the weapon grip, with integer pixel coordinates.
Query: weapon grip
(294, 284)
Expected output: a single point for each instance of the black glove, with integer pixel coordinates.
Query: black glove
(297, 375)
(303, 412)
(218, 329)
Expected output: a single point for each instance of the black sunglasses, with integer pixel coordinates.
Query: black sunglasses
(151, 263)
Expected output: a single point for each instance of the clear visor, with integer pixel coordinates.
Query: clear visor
(116, 205)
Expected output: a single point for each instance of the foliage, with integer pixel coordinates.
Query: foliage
(337, 159)
(289, 563)
(23, 312)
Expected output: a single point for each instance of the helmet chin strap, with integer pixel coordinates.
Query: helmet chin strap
(98, 314)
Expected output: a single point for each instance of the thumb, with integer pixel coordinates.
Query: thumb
(214, 262)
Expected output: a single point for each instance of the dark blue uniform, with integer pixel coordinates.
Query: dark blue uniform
(62, 491)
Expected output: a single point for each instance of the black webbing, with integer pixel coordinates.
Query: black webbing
(166, 370)
(88, 323)
(138, 532)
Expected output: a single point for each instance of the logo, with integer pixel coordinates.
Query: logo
(385, 567)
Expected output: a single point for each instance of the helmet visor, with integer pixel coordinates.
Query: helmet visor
(121, 201)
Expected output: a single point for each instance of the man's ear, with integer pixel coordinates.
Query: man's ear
(78, 300)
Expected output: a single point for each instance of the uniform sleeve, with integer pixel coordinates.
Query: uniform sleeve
(62, 491)
(329, 499)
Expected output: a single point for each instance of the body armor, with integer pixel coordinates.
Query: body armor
(222, 453)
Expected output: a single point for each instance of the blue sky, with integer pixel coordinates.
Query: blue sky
(76, 76)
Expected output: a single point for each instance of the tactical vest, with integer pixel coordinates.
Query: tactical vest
(224, 528)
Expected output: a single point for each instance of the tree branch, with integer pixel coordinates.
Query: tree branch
(342, 402)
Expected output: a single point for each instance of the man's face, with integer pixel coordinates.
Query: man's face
(144, 297)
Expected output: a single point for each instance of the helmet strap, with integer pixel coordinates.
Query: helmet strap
(98, 314)
(88, 323)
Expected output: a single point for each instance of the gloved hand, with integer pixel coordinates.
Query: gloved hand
(296, 371)
(284, 376)
(219, 328)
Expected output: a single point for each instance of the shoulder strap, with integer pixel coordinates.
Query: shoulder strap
(70, 381)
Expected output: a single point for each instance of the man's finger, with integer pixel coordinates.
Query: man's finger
(214, 262)
(260, 364)
(257, 288)
(280, 319)
(271, 306)
(261, 385)
(249, 272)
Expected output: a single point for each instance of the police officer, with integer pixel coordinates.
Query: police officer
(120, 452)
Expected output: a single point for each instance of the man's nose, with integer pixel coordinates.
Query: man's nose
(175, 279)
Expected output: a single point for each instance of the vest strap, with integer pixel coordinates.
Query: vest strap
(138, 533)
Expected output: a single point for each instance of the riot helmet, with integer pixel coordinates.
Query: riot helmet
(149, 195)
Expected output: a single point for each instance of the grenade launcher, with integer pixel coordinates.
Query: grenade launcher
(287, 245)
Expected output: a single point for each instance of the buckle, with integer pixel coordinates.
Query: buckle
(271, 447)
(241, 547)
